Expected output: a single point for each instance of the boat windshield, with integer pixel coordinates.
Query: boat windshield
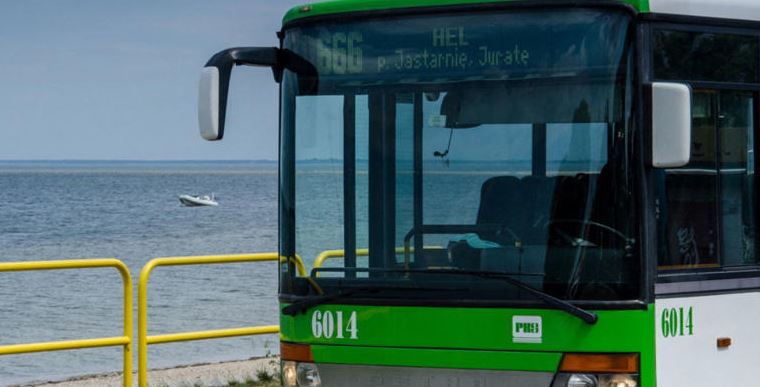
(494, 142)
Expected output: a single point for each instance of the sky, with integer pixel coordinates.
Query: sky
(103, 80)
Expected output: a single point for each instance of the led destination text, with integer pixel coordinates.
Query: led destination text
(449, 49)
(452, 50)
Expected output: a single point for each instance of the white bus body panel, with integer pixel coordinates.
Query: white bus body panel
(696, 360)
(728, 9)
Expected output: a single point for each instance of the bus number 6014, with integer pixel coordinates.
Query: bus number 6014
(677, 322)
(328, 325)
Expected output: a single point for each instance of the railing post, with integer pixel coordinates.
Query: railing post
(142, 324)
(128, 324)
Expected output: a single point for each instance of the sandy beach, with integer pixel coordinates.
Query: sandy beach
(205, 375)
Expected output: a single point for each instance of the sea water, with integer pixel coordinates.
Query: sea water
(130, 211)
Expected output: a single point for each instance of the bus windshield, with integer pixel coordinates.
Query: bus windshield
(477, 142)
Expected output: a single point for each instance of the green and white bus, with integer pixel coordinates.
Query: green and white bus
(514, 193)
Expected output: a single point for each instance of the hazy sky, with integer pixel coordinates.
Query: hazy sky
(118, 80)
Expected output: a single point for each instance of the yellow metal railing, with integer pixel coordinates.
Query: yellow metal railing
(142, 306)
(125, 341)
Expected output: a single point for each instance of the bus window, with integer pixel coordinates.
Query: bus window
(361, 200)
(698, 56)
(706, 209)
(404, 168)
(457, 163)
(452, 159)
(576, 148)
(689, 215)
(454, 180)
(737, 178)
(319, 173)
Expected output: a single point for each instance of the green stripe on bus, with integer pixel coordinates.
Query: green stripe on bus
(475, 328)
(640, 5)
(344, 6)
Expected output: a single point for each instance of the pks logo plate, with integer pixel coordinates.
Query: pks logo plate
(527, 329)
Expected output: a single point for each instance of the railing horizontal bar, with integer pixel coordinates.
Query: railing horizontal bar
(216, 259)
(222, 259)
(64, 345)
(212, 334)
(61, 264)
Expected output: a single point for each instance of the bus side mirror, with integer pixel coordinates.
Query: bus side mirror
(215, 83)
(671, 124)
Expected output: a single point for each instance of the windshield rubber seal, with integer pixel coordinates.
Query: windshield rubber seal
(348, 17)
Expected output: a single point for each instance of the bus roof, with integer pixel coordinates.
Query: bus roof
(731, 9)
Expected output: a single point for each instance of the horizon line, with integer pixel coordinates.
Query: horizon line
(140, 160)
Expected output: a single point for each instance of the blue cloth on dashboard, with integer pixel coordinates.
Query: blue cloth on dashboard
(474, 241)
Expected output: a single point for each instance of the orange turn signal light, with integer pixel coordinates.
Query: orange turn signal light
(600, 363)
(296, 352)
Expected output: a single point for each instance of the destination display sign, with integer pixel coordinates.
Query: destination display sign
(473, 46)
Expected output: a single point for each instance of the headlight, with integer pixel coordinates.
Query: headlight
(289, 378)
(620, 380)
(582, 380)
(594, 380)
(308, 375)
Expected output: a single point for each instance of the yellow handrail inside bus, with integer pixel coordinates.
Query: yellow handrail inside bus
(142, 305)
(125, 341)
(331, 254)
(300, 267)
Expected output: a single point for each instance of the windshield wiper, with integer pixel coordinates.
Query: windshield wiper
(588, 317)
(302, 306)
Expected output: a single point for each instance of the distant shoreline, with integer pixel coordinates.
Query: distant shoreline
(262, 161)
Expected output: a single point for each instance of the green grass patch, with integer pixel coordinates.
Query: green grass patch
(251, 383)
(263, 379)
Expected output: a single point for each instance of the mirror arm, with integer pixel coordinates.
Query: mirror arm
(306, 71)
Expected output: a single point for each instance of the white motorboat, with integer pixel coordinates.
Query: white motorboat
(198, 200)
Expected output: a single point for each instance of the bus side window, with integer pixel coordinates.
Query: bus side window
(707, 209)
(706, 213)
(738, 211)
(689, 215)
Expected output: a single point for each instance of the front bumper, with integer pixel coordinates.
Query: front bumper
(341, 375)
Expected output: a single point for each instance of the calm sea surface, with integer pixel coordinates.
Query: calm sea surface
(130, 211)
